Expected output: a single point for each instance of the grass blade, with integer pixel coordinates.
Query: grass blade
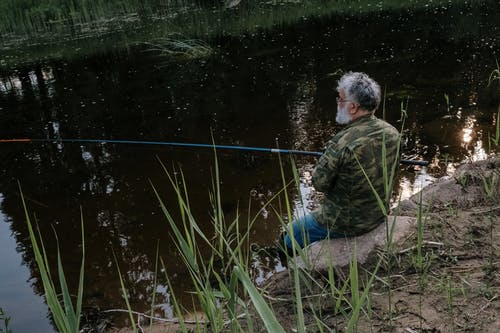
(65, 318)
(260, 304)
(124, 293)
(79, 298)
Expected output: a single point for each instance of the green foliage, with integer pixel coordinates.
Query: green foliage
(125, 296)
(359, 300)
(490, 185)
(66, 316)
(494, 141)
(155, 284)
(181, 48)
(260, 304)
(222, 282)
(174, 301)
(225, 250)
(495, 74)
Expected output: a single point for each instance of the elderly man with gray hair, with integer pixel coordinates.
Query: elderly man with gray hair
(351, 169)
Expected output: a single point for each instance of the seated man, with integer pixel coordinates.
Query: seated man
(351, 169)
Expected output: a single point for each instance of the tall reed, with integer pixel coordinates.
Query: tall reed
(218, 294)
(494, 140)
(389, 173)
(66, 315)
(155, 284)
(125, 296)
(222, 293)
(295, 248)
(175, 303)
(495, 74)
(449, 302)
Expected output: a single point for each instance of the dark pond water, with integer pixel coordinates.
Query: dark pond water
(255, 90)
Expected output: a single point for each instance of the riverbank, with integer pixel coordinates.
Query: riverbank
(455, 288)
(458, 290)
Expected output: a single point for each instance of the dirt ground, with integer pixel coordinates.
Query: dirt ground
(458, 288)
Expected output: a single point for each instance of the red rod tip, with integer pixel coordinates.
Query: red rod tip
(15, 140)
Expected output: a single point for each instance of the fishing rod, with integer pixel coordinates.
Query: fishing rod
(195, 145)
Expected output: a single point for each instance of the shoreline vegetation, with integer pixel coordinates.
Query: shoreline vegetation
(443, 277)
(61, 29)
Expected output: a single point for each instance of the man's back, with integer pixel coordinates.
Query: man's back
(349, 172)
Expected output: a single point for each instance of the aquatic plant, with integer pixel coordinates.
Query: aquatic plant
(180, 48)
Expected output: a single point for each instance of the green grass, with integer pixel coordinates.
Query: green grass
(175, 303)
(215, 278)
(222, 279)
(352, 299)
(180, 49)
(125, 296)
(495, 74)
(155, 284)
(223, 293)
(66, 316)
(449, 301)
(494, 140)
(389, 172)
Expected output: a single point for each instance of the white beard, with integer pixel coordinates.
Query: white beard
(343, 116)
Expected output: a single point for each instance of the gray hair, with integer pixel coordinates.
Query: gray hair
(360, 88)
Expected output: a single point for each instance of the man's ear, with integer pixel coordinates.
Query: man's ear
(353, 108)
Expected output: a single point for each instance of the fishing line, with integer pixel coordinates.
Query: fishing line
(194, 145)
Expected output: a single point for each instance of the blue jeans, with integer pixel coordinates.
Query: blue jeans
(307, 230)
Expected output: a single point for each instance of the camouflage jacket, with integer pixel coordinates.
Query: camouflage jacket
(353, 155)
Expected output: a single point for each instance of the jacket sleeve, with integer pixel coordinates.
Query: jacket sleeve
(326, 171)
